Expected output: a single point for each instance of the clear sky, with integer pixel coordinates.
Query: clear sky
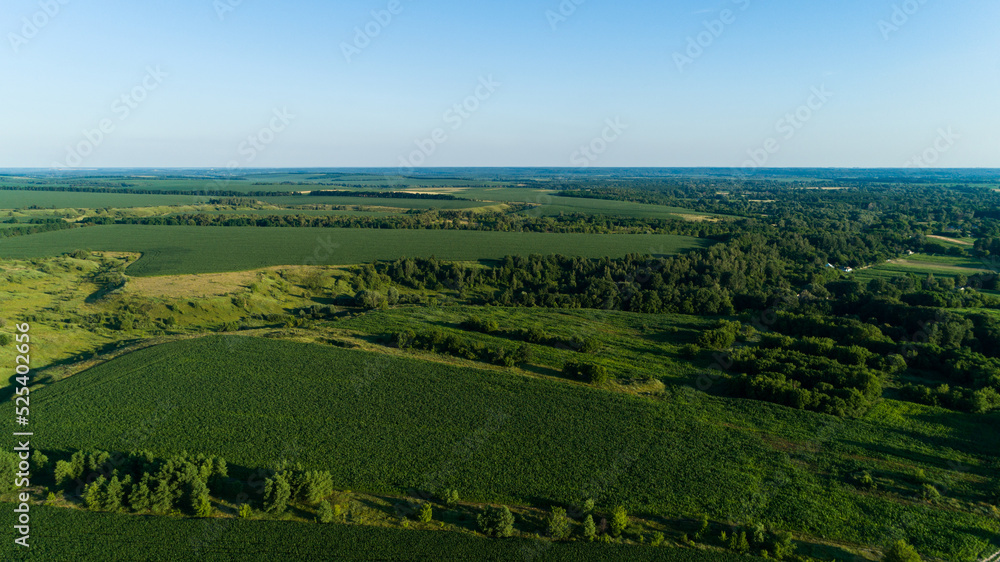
(925, 85)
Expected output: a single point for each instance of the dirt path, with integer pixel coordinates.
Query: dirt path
(952, 240)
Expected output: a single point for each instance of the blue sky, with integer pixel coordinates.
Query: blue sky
(925, 88)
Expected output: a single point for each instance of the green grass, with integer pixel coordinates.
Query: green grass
(633, 347)
(182, 249)
(64, 534)
(394, 425)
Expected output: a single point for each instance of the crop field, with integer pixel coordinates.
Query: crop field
(402, 204)
(65, 534)
(305, 212)
(922, 264)
(553, 205)
(180, 249)
(395, 425)
(79, 200)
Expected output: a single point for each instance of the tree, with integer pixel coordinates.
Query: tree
(198, 495)
(325, 512)
(425, 513)
(246, 511)
(901, 551)
(738, 543)
(93, 494)
(204, 508)
(451, 498)
(139, 498)
(702, 527)
(63, 472)
(370, 300)
(39, 459)
(560, 525)
(113, 495)
(317, 485)
(496, 521)
(162, 497)
(619, 520)
(589, 529)
(277, 492)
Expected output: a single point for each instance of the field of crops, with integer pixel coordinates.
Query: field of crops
(74, 200)
(921, 265)
(62, 534)
(553, 205)
(169, 250)
(394, 425)
(401, 204)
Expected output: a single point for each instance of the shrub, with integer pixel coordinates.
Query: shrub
(901, 551)
(619, 520)
(589, 530)
(324, 513)
(496, 521)
(560, 525)
(929, 492)
(451, 498)
(425, 513)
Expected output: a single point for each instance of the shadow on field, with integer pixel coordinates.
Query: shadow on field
(44, 376)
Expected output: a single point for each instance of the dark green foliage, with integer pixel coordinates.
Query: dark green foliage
(720, 338)
(277, 492)
(597, 375)
(325, 512)
(589, 529)
(436, 340)
(738, 543)
(496, 521)
(69, 536)
(709, 440)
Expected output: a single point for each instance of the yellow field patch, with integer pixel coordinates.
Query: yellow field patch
(188, 286)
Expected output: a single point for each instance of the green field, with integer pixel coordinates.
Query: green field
(402, 204)
(75, 200)
(392, 425)
(923, 264)
(63, 534)
(171, 250)
(553, 205)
